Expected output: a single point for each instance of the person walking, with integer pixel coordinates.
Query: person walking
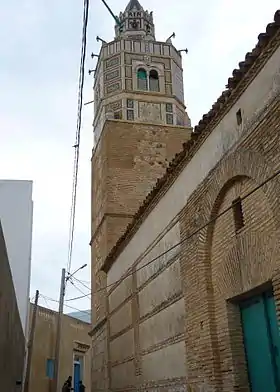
(82, 388)
(67, 386)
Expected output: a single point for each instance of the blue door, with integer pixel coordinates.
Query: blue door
(77, 375)
(261, 342)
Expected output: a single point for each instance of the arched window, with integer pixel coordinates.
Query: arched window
(153, 81)
(142, 81)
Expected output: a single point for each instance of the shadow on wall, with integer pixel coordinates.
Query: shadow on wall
(12, 341)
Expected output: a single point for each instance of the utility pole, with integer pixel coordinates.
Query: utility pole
(59, 318)
(58, 332)
(30, 343)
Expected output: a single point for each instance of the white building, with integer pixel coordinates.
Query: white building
(16, 215)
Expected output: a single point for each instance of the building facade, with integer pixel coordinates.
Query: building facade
(16, 215)
(192, 286)
(12, 339)
(140, 123)
(74, 351)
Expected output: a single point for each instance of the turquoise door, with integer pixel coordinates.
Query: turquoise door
(274, 335)
(262, 343)
(77, 376)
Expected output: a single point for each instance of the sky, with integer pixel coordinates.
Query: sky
(40, 56)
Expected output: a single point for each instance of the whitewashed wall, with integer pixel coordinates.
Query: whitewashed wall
(16, 215)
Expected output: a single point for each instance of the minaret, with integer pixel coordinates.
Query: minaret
(137, 78)
(140, 123)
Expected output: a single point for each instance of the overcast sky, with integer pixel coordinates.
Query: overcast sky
(40, 55)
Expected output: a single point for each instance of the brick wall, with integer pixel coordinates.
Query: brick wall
(12, 341)
(127, 161)
(162, 336)
(219, 265)
(145, 326)
(225, 133)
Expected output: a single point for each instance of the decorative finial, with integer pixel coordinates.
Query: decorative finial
(133, 4)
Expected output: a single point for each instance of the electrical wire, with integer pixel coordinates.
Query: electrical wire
(68, 306)
(211, 221)
(75, 298)
(77, 149)
(78, 134)
(85, 281)
(46, 302)
(81, 282)
(77, 288)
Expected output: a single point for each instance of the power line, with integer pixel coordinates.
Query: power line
(85, 281)
(46, 302)
(212, 220)
(75, 298)
(78, 134)
(77, 288)
(81, 282)
(68, 306)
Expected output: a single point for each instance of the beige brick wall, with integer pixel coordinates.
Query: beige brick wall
(219, 265)
(126, 163)
(223, 138)
(197, 336)
(147, 325)
(99, 374)
(215, 265)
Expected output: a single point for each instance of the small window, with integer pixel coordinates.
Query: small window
(169, 108)
(50, 368)
(142, 81)
(239, 117)
(238, 214)
(118, 115)
(130, 103)
(169, 118)
(130, 115)
(154, 81)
